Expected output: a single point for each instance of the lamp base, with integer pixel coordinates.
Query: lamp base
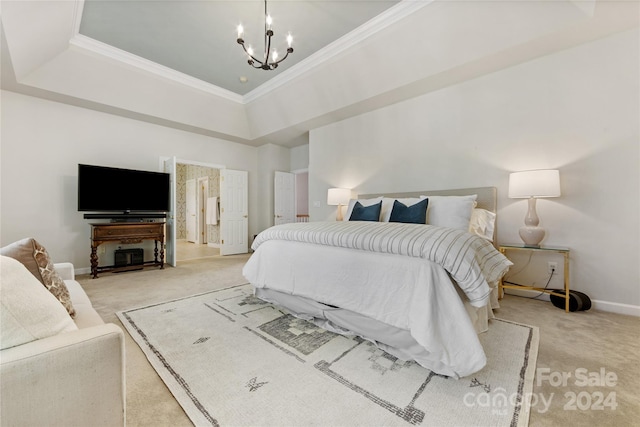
(532, 235)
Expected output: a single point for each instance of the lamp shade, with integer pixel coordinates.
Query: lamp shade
(536, 183)
(338, 196)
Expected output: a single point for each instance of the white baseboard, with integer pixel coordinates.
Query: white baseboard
(85, 270)
(214, 245)
(611, 307)
(614, 307)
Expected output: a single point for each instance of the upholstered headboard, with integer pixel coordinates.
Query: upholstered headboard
(487, 198)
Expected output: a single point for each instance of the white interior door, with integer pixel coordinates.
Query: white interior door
(191, 210)
(284, 204)
(170, 227)
(203, 194)
(234, 212)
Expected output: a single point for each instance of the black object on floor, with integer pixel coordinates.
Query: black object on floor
(578, 301)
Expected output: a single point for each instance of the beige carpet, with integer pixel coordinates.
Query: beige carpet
(586, 340)
(232, 359)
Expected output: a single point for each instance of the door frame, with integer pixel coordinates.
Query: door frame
(170, 239)
(230, 216)
(296, 172)
(202, 193)
(279, 201)
(191, 197)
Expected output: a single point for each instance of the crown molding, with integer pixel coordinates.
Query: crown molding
(78, 8)
(392, 15)
(92, 45)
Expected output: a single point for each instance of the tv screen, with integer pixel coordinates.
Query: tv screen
(106, 189)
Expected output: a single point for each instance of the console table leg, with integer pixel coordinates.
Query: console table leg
(155, 252)
(161, 263)
(161, 255)
(94, 262)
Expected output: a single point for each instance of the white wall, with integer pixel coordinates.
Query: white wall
(576, 110)
(299, 157)
(42, 144)
(271, 158)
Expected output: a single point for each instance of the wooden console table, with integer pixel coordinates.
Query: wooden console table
(125, 233)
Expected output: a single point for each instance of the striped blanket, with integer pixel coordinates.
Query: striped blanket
(471, 261)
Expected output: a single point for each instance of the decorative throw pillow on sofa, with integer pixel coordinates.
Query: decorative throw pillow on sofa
(27, 311)
(36, 259)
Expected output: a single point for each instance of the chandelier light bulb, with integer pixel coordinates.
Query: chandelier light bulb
(274, 55)
(240, 31)
(250, 51)
(269, 21)
(289, 39)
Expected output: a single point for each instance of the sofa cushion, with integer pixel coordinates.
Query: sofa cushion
(36, 259)
(27, 311)
(86, 316)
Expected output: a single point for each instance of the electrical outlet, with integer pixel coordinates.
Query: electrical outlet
(551, 267)
(102, 250)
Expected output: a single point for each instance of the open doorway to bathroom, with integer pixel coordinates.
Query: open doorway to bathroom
(197, 218)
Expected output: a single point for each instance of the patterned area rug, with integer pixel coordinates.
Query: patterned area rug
(231, 359)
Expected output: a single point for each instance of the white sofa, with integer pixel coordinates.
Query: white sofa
(74, 378)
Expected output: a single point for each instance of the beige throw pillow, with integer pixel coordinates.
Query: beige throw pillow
(27, 311)
(36, 259)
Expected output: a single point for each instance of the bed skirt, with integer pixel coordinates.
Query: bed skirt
(395, 341)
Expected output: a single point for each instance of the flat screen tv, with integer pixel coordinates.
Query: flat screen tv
(122, 191)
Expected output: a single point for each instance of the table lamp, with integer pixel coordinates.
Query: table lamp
(338, 197)
(533, 185)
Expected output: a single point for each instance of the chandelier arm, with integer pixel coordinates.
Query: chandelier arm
(268, 45)
(267, 37)
(241, 43)
(284, 57)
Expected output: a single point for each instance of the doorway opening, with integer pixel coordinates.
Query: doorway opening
(291, 197)
(302, 195)
(227, 224)
(197, 211)
(186, 251)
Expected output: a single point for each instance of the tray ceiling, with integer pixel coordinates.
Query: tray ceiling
(176, 63)
(198, 38)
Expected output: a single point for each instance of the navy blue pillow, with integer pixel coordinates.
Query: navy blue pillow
(415, 214)
(366, 213)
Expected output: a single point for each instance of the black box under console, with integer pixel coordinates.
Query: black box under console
(127, 257)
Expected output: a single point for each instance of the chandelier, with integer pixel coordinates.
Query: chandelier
(268, 33)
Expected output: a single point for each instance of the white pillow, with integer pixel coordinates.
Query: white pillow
(450, 211)
(387, 205)
(363, 202)
(482, 223)
(28, 311)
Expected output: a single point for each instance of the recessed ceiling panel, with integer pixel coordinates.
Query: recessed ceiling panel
(198, 38)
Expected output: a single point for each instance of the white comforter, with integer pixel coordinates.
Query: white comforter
(384, 271)
(471, 260)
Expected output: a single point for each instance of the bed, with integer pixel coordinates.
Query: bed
(420, 292)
